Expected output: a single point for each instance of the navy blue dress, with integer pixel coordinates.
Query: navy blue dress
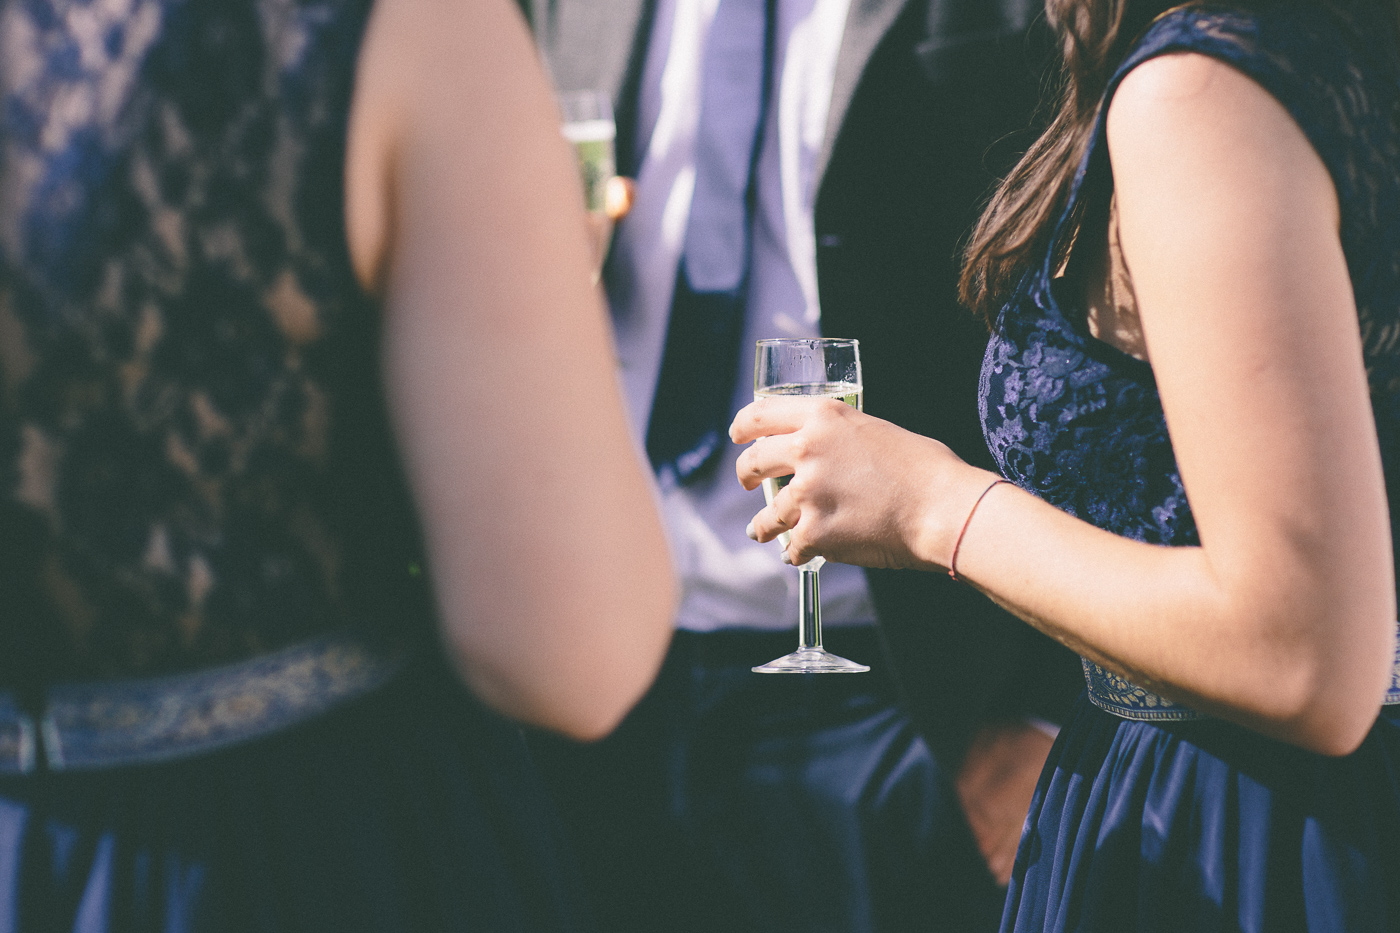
(196, 470)
(1148, 816)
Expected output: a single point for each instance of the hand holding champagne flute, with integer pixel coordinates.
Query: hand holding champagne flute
(827, 368)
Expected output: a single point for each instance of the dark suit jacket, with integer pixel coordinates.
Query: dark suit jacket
(932, 100)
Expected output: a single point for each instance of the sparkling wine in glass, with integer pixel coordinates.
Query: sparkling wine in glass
(589, 126)
(828, 368)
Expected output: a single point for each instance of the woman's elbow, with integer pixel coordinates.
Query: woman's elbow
(581, 687)
(596, 715)
(1336, 703)
(1338, 732)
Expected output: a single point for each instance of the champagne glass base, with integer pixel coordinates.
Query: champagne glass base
(811, 661)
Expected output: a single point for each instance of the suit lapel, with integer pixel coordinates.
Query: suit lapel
(866, 24)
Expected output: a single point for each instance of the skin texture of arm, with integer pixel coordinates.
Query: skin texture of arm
(1284, 619)
(465, 216)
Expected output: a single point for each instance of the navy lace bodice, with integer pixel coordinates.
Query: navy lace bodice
(194, 465)
(1078, 422)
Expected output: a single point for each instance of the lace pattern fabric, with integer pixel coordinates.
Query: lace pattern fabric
(1080, 423)
(187, 406)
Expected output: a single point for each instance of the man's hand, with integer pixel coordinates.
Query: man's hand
(995, 785)
(617, 202)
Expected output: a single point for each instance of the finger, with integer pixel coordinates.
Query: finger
(797, 556)
(779, 518)
(765, 527)
(767, 457)
(768, 416)
(618, 195)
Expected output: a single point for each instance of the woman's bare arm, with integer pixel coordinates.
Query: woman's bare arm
(1284, 618)
(465, 215)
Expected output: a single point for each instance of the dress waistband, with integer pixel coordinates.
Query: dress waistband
(128, 722)
(1121, 697)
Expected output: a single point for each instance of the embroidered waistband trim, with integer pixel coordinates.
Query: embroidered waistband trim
(1119, 696)
(128, 722)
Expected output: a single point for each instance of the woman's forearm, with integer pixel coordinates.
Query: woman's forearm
(1301, 656)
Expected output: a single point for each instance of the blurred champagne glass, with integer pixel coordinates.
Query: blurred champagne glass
(589, 127)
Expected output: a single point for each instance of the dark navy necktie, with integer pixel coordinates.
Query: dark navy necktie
(691, 411)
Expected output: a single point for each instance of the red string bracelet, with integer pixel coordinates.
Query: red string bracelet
(953, 561)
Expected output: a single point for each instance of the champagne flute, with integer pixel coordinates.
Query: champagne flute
(590, 128)
(823, 367)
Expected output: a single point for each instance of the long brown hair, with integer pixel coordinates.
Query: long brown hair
(1013, 234)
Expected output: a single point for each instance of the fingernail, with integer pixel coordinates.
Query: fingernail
(753, 535)
(786, 559)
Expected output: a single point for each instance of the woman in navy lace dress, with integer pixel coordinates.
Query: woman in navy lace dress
(303, 380)
(1193, 392)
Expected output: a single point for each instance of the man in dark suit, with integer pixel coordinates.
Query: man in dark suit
(731, 801)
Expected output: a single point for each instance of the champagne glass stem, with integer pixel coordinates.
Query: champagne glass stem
(809, 607)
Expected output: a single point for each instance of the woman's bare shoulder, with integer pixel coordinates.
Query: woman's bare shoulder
(430, 74)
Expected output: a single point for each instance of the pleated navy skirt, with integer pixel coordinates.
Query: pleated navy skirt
(410, 809)
(1203, 826)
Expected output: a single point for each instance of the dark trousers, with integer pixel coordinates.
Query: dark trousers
(731, 801)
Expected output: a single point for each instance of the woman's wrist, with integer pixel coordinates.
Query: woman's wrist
(949, 511)
(957, 542)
